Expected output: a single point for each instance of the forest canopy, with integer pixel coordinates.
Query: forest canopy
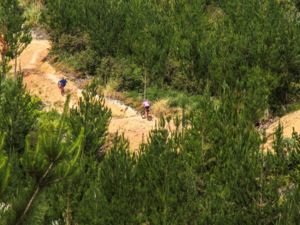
(241, 56)
(251, 46)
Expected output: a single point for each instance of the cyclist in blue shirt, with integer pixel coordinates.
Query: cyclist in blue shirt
(61, 85)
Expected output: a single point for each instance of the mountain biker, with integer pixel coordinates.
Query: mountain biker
(146, 105)
(61, 85)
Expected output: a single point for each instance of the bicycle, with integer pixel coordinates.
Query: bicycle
(143, 113)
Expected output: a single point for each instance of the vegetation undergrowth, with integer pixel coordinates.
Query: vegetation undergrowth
(210, 169)
(33, 11)
(252, 46)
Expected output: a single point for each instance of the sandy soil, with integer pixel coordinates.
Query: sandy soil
(41, 80)
(289, 122)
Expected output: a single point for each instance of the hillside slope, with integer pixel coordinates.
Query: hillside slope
(41, 80)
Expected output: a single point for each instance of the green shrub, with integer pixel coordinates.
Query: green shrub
(4, 168)
(132, 78)
(51, 158)
(18, 113)
(71, 43)
(92, 115)
(293, 107)
(128, 74)
(85, 62)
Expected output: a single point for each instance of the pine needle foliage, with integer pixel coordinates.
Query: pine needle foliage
(13, 31)
(18, 113)
(49, 156)
(213, 173)
(4, 167)
(186, 45)
(92, 115)
(210, 169)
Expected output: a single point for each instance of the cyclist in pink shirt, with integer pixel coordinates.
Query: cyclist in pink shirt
(146, 105)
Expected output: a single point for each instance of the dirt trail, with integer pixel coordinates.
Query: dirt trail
(289, 122)
(41, 80)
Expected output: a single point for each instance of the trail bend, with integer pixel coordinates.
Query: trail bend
(41, 78)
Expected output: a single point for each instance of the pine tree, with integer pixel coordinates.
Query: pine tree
(4, 168)
(70, 204)
(50, 157)
(92, 115)
(13, 32)
(18, 113)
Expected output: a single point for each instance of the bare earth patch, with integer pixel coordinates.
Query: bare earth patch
(289, 122)
(41, 80)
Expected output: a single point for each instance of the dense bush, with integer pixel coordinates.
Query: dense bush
(94, 117)
(213, 172)
(126, 74)
(188, 45)
(42, 152)
(209, 169)
(18, 113)
(4, 167)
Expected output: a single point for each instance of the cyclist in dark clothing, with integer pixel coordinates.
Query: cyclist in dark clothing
(61, 85)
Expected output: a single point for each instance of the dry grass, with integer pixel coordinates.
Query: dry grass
(62, 66)
(110, 90)
(33, 11)
(83, 84)
(214, 13)
(160, 107)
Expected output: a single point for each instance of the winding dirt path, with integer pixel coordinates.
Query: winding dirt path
(41, 80)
